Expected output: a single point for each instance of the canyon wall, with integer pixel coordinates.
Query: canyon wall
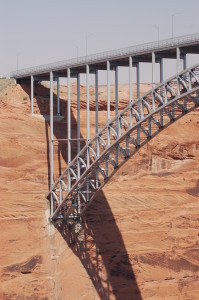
(140, 236)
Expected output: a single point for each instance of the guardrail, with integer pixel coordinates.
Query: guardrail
(113, 54)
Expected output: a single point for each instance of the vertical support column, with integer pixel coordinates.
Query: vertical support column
(130, 100)
(51, 142)
(178, 60)
(108, 110)
(78, 196)
(108, 99)
(161, 92)
(138, 86)
(186, 77)
(130, 79)
(108, 91)
(184, 62)
(153, 70)
(78, 114)
(87, 112)
(88, 124)
(161, 70)
(69, 127)
(58, 114)
(116, 110)
(78, 141)
(58, 99)
(32, 95)
(153, 79)
(116, 91)
(97, 122)
(96, 102)
(138, 79)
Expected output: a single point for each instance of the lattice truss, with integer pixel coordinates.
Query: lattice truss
(120, 138)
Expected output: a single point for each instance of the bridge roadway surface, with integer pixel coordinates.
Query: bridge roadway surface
(124, 135)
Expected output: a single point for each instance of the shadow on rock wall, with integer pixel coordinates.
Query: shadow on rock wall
(99, 246)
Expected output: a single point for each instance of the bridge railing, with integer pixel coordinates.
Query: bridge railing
(108, 55)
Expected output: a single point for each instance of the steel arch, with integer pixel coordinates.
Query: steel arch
(121, 138)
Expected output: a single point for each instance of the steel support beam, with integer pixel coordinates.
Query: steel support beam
(178, 61)
(69, 116)
(161, 70)
(116, 109)
(153, 69)
(130, 79)
(88, 122)
(32, 95)
(96, 103)
(69, 125)
(184, 62)
(51, 141)
(153, 81)
(108, 91)
(108, 110)
(184, 68)
(138, 79)
(58, 99)
(130, 92)
(97, 119)
(116, 90)
(78, 114)
(87, 111)
(161, 93)
(78, 140)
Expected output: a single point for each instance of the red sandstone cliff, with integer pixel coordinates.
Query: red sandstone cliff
(140, 237)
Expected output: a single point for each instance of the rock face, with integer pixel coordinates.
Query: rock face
(140, 236)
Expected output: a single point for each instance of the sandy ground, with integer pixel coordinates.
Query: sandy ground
(140, 237)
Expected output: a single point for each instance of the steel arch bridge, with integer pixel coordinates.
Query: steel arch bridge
(120, 139)
(128, 131)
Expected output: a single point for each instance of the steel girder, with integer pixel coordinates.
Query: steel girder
(121, 138)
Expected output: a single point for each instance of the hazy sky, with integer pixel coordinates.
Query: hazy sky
(43, 31)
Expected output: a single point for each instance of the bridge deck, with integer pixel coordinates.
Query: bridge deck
(140, 53)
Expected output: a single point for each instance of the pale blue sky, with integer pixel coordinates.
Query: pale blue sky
(43, 31)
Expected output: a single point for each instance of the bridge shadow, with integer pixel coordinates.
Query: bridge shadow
(99, 246)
